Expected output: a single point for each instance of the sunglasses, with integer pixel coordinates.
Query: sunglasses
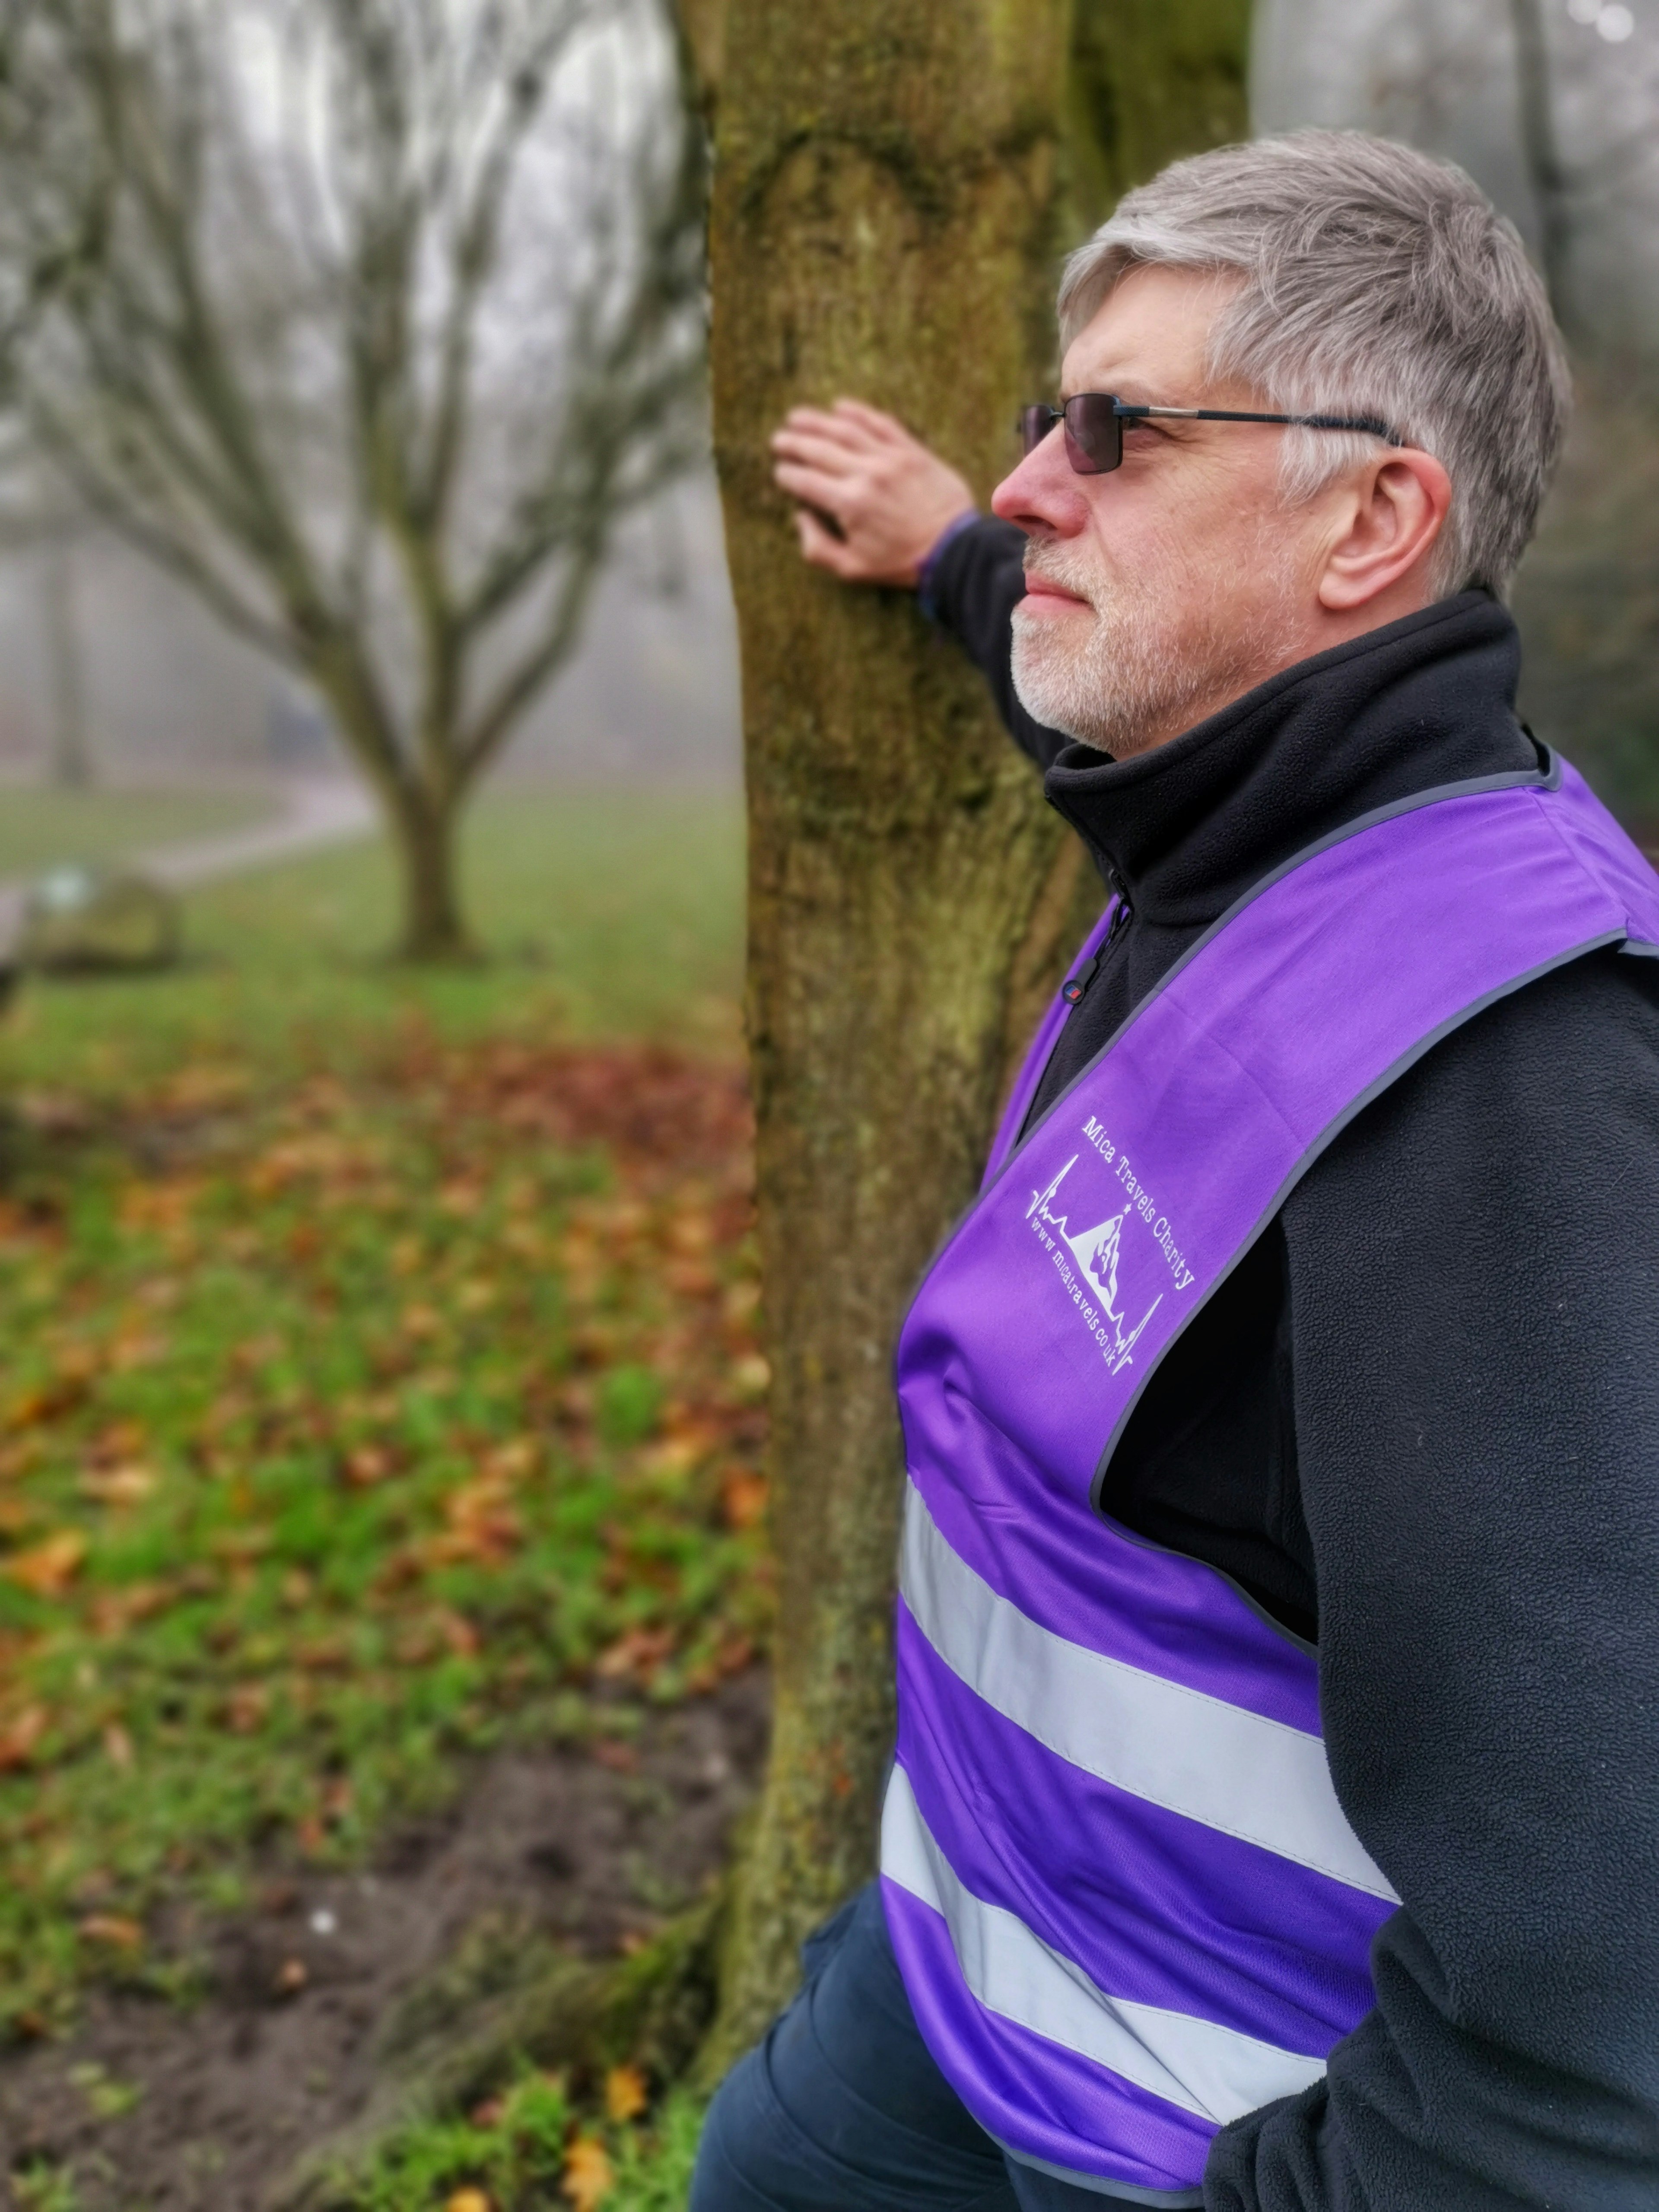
(1094, 426)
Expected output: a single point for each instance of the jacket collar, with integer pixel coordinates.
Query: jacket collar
(1188, 828)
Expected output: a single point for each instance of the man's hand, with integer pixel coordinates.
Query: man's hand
(888, 496)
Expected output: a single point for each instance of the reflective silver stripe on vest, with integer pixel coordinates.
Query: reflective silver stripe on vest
(1214, 2072)
(1194, 1754)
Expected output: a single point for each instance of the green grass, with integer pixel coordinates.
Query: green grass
(361, 1407)
(41, 2187)
(603, 914)
(527, 2150)
(41, 828)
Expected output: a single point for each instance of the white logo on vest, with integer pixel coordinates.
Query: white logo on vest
(1097, 1252)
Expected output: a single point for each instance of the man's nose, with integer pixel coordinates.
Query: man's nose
(1043, 494)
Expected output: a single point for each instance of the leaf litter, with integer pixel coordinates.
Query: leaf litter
(404, 1419)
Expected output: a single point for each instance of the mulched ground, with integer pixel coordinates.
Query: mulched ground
(201, 2109)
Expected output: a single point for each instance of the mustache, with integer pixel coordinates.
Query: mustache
(1071, 571)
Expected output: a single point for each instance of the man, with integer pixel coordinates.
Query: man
(1274, 1821)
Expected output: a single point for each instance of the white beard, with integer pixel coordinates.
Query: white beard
(1150, 662)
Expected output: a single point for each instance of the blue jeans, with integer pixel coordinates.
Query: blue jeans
(842, 2110)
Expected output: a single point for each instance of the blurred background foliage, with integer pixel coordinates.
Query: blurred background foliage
(1588, 595)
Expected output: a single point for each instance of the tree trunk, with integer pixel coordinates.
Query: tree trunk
(424, 834)
(882, 224)
(889, 186)
(1544, 172)
(1150, 80)
(71, 760)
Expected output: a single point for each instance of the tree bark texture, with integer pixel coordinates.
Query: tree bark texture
(890, 191)
(1150, 80)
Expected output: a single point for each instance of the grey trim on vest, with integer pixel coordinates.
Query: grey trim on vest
(1546, 777)
(1114, 2192)
(1171, 1552)
(1214, 2073)
(1321, 1144)
(1232, 1770)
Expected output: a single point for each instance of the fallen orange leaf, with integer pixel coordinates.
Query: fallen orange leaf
(751, 1375)
(460, 1634)
(366, 1464)
(625, 2092)
(118, 1485)
(742, 1499)
(19, 1737)
(246, 1707)
(47, 1569)
(46, 1400)
(115, 1611)
(121, 1440)
(136, 1347)
(637, 1651)
(483, 1525)
(468, 2200)
(19, 1456)
(588, 2174)
(121, 1935)
(513, 1460)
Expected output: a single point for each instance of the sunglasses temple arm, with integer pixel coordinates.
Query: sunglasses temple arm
(1368, 423)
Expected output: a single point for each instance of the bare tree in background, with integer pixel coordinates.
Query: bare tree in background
(1552, 187)
(40, 520)
(370, 320)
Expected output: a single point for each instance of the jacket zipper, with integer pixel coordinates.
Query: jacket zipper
(1072, 989)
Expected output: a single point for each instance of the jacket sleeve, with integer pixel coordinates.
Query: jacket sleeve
(973, 584)
(1476, 1392)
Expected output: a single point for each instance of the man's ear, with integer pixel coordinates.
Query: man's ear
(1394, 516)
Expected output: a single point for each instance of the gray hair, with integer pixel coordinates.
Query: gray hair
(1375, 281)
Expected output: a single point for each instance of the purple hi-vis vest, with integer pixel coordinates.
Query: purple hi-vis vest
(1124, 1899)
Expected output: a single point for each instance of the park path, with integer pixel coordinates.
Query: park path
(317, 810)
(311, 812)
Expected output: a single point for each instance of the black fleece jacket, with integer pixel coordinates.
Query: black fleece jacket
(1421, 1424)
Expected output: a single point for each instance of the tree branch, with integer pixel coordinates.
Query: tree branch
(495, 720)
(278, 356)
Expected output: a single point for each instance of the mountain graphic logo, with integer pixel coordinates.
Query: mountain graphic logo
(1097, 1252)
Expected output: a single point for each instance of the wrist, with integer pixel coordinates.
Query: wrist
(928, 569)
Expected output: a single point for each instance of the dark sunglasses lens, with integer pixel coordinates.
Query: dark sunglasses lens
(1094, 434)
(1034, 424)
